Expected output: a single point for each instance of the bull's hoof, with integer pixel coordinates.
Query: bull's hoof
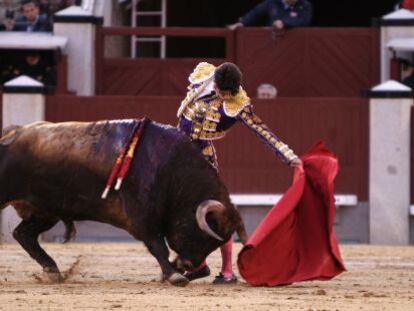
(52, 275)
(177, 279)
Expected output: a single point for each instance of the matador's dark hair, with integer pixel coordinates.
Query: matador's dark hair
(228, 77)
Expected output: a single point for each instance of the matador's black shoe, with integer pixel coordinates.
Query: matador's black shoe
(221, 279)
(202, 273)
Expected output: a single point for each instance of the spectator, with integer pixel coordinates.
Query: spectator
(266, 91)
(279, 14)
(8, 23)
(32, 20)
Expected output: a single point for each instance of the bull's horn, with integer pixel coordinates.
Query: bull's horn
(202, 210)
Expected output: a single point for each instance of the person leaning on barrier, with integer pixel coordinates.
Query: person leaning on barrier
(31, 20)
(279, 14)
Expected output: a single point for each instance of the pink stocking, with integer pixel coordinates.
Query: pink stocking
(226, 265)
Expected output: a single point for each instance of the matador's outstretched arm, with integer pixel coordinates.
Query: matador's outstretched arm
(260, 129)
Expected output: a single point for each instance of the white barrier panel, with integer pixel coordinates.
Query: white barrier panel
(23, 103)
(389, 163)
(272, 199)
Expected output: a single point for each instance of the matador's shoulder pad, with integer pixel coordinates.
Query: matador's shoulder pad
(235, 105)
(202, 72)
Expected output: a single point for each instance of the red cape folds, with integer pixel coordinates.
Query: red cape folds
(296, 241)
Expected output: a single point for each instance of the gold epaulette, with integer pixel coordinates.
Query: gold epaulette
(202, 72)
(235, 105)
(192, 92)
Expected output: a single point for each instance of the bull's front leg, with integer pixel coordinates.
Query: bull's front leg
(26, 233)
(159, 250)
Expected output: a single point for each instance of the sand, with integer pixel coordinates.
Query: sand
(113, 276)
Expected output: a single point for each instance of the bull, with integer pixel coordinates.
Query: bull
(51, 172)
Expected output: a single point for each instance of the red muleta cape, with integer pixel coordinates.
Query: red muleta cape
(296, 241)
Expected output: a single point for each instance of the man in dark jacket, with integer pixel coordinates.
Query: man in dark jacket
(32, 20)
(279, 14)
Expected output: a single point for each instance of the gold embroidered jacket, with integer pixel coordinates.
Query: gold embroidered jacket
(205, 117)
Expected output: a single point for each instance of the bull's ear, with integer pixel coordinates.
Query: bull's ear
(9, 134)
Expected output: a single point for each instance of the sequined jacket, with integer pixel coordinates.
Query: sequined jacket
(205, 117)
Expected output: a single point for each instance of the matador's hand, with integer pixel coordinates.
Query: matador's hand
(296, 163)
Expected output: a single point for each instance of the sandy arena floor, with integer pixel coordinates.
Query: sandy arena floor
(125, 277)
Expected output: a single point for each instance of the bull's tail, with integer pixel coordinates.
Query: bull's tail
(70, 232)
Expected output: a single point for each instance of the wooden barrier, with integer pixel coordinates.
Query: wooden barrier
(310, 62)
(300, 62)
(247, 165)
(151, 76)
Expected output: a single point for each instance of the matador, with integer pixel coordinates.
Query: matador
(215, 101)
